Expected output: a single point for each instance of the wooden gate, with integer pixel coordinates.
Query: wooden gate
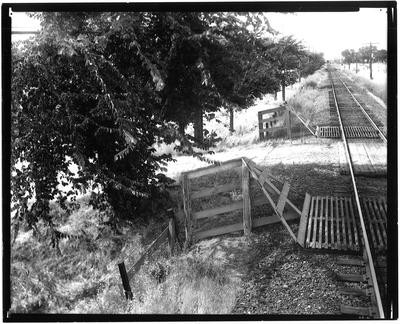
(283, 210)
(277, 119)
(278, 122)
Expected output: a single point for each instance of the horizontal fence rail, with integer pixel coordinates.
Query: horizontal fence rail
(214, 169)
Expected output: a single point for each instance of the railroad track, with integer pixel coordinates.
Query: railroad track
(351, 114)
(356, 118)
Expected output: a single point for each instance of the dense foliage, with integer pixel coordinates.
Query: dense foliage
(287, 55)
(100, 89)
(311, 63)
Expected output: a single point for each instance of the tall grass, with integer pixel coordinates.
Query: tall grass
(193, 285)
(315, 80)
(312, 100)
(83, 277)
(378, 89)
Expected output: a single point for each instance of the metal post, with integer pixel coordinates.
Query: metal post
(125, 281)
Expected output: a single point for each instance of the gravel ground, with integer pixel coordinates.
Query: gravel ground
(275, 274)
(282, 278)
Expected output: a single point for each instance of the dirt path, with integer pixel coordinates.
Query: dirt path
(307, 151)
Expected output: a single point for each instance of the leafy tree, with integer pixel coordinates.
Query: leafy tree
(226, 70)
(99, 89)
(286, 54)
(241, 69)
(84, 93)
(311, 63)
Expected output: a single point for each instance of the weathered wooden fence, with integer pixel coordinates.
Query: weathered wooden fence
(278, 122)
(244, 169)
(241, 172)
(168, 233)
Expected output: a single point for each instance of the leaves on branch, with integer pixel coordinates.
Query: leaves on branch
(100, 89)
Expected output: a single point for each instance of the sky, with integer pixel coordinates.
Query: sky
(333, 32)
(326, 32)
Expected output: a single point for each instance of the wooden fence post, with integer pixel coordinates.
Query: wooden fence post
(260, 125)
(171, 231)
(247, 223)
(288, 124)
(187, 209)
(125, 281)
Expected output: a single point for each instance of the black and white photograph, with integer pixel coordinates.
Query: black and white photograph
(199, 161)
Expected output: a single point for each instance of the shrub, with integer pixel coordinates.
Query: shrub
(310, 84)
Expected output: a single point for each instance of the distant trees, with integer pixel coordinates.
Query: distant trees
(367, 54)
(381, 56)
(349, 56)
(291, 60)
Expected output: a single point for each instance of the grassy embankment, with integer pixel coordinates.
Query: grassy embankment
(82, 276)
(312, 99)
(377, 86)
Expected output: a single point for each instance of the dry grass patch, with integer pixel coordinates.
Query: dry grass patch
(378, 89)
(312, 100)
(193, 285)
(83, 277)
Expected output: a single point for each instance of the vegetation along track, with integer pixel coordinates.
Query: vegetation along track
(351, 113)
(357, 119)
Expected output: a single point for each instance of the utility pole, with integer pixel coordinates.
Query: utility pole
(371, 56)
(356, 59)
(370, 61)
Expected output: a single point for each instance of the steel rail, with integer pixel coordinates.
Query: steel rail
(382, 136)
(363, 227)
